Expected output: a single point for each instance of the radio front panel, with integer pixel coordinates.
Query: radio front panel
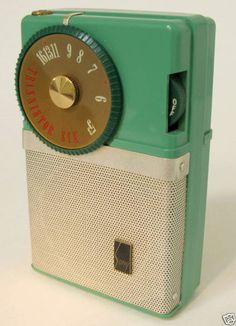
(116, 109)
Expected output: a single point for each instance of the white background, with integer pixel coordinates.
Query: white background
(28, 298)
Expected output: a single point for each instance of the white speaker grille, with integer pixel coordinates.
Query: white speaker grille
(78, 209)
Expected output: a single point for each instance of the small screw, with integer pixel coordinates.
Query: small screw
(175, 296)
(182, 166)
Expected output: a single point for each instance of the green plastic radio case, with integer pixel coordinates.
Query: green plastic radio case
(147, 49)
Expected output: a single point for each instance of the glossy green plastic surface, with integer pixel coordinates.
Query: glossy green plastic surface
(146, 48)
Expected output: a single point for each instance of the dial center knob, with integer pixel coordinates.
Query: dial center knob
(63, 92)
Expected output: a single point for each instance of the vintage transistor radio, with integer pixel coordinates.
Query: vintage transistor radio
(117, 110)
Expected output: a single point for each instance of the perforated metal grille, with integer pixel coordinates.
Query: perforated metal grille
(78, 209)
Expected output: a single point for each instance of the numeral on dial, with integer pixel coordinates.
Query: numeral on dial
(91, 129)
(42, 57)
(94, 67)
(100, 99)
(79, 58)
(48, 53)
(69, 50)
(55, 50)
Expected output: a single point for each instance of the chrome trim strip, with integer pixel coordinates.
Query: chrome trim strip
(152, 166)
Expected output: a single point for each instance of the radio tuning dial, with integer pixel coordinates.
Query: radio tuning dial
(68, 89)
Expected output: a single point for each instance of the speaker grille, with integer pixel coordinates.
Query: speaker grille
(77, 210)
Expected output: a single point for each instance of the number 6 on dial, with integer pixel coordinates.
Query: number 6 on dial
(100, 99)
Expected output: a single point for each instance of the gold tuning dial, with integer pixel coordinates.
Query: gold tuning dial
(63, 92)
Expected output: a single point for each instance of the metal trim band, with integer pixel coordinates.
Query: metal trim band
(151, 166)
